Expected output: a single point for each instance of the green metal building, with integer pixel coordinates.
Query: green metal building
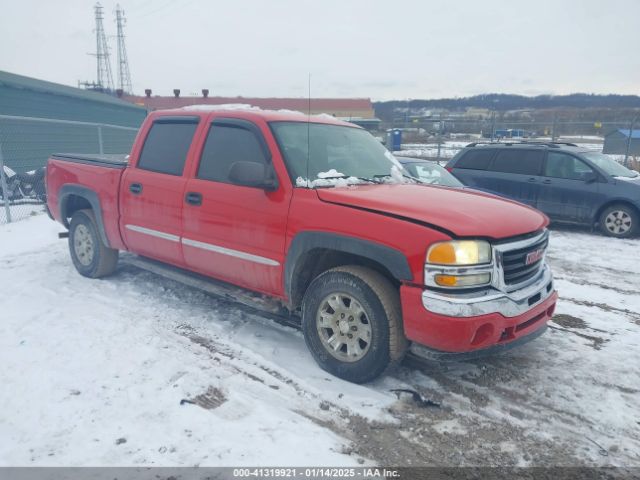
(38, 118)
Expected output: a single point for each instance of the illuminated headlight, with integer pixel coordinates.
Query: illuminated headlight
(459, 264)
(459, 253)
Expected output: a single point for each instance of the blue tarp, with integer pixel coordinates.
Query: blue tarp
(625, 132)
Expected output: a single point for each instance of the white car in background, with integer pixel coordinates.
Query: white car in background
(429, 172)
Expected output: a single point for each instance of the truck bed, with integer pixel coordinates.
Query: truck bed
(93, 176)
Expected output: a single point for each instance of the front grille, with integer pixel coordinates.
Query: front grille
(514, 266)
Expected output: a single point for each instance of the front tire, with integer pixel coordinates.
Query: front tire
(90, 256)
(619, 221)
(352, 323)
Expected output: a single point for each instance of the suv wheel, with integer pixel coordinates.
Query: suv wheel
(619, 221)
(352, 324)
(90, 256)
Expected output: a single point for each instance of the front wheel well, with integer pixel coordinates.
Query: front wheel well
(319, 260)
(596, 218)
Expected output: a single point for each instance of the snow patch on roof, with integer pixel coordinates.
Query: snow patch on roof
(215, 108)
(245, 107)
(290, 112)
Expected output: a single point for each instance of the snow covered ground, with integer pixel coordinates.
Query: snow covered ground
(94, 373)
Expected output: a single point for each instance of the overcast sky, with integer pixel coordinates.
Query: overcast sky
(391, 49)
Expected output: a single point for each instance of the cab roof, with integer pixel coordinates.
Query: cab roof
(248, 112)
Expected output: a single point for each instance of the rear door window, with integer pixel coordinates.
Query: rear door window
(524, 162)
(476, 159)
(166, 146)
(562, 165)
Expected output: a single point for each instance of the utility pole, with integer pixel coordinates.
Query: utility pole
(493, 126)
(439, 138)
(124, 76)
(626, 155)
(103, 64)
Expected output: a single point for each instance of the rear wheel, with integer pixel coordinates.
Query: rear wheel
(90, 256)
(619, 221)
(352, 323)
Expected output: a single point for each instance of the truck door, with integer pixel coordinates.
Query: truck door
(233, 232)
(153, 190)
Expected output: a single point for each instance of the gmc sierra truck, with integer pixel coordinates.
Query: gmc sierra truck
(314, 214)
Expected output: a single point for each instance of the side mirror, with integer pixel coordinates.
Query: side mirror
(589, 177)
(253, 174)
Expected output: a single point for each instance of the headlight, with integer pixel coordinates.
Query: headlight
(459, 253)
(458, 264)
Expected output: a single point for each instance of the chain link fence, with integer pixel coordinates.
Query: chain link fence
(440, 138)
(25, 145)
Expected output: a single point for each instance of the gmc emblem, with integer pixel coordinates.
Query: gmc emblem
(533, 257)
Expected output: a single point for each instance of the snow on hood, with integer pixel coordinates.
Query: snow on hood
(330, 178)
(331, 173)
(462, 212)
(333, 178)
(328, 182)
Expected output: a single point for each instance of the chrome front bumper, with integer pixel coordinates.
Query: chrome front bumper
(491, 300)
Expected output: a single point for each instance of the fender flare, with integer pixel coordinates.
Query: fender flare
(393, 260)
(90, 196)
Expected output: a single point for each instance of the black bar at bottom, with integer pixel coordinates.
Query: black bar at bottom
(318, 473)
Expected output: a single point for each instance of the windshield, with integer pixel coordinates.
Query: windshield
(432, 173)
(610, 166)
(349, 154)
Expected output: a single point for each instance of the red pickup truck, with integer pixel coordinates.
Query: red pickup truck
(314, 213)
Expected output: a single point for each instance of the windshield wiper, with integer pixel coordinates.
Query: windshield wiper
(372, 180)
(416, 180)
(345, 177)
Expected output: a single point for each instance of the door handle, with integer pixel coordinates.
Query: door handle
(547, 181)
(532, 179)
(193, 198)
(135, 188)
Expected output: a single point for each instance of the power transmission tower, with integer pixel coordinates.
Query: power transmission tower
(124, 76)
(105, 78)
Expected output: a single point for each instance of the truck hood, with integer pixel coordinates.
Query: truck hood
(462, 213)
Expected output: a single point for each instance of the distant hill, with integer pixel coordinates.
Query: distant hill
(503, 102)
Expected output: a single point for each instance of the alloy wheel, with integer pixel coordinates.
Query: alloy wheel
(618, 222)
(344, 328)
(83, 245)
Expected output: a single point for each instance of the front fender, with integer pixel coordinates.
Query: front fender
(393, 260)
